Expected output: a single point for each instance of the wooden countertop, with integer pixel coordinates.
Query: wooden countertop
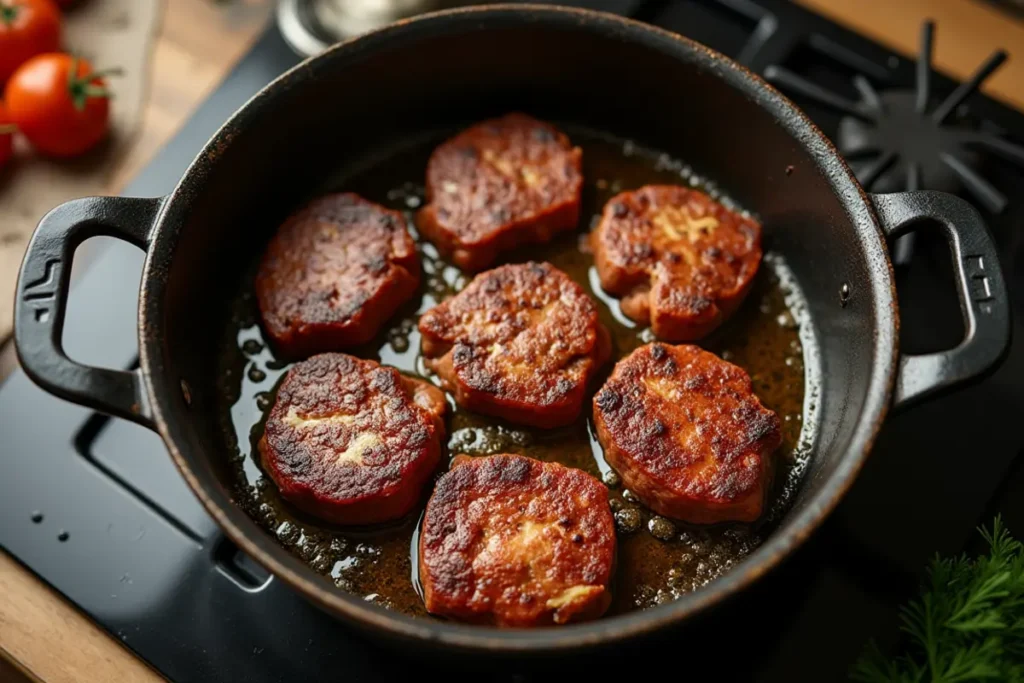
(966, 33)
(42, 637)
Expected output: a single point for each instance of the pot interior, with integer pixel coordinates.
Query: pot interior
(657, 560)
(335, 120)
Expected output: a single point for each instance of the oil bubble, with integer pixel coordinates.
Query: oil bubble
(628, 520)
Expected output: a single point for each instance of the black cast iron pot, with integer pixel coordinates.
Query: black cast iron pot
(358, 99)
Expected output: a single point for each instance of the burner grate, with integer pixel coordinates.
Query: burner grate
(895, 140)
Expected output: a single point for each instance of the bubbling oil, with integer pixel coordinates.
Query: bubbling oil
(659, 560)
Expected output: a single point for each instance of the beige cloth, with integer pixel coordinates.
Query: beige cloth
(108, 33)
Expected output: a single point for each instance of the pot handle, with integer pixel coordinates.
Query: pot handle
(42, 297)
(980, 287)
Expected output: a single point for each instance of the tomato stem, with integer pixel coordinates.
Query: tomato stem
(8, 13)
(113, 71)
(97, 91)
(81, 88)
(8, 128)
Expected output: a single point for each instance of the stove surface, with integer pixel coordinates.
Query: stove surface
(95, 507)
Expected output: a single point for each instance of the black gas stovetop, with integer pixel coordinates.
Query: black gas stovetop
(94, 506)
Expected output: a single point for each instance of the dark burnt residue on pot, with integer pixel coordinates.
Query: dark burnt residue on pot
(658, 560)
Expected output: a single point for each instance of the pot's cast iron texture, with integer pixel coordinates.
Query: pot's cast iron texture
(450, 69)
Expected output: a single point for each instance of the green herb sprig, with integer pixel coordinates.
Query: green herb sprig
(967, 625)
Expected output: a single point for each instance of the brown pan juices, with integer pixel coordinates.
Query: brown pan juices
(658, 559)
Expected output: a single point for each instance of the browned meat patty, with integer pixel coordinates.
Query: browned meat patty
(334, 273)
(351, 441)
(520, 342)
(499, 184)
(681, 261)
(512, 541)
(686, 433)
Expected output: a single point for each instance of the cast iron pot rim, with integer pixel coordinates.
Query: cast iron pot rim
(254, 540)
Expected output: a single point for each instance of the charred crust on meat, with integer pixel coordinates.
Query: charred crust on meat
(607, 400)
(511, 541)
(543, 134)
(688, 437)
(680, 261)
(334, 272)
(501, 183)
(350, 441)
(515, 472)
(520, 342)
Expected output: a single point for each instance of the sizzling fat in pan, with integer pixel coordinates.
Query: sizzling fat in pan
(658, 560)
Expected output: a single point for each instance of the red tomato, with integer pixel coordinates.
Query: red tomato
(6, 137)
(27, 28)
(61, 112)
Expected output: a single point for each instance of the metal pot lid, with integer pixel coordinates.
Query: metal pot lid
(311, 26)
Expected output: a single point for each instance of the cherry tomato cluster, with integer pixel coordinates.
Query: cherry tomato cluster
(57, 101)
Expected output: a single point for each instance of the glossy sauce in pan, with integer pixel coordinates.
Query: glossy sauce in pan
(657, 560)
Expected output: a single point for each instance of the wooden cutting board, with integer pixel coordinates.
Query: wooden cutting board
(42, 637)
